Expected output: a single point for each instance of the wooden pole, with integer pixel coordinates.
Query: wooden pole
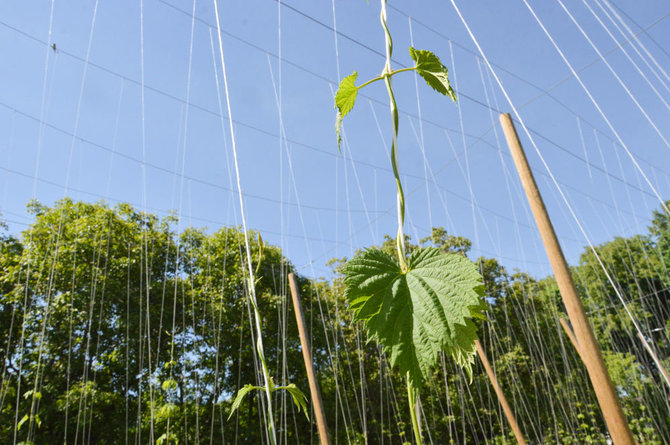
(501, 397)
(588, 347)
(314, 389)
(570, 334)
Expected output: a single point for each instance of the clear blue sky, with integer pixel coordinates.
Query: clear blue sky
(299, 191)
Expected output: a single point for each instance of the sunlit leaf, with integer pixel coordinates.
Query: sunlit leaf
(169, 384)
(419, 312)
(435, 74)
(345, 98)
(166, 411)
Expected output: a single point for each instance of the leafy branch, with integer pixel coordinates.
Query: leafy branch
(299, 398)
(427, 65)
(296, 394)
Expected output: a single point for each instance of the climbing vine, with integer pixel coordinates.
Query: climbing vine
(298, 397)
(418, 305)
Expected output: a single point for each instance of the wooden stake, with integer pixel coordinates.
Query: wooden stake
(588, 347)
(314, 389)
(501, 397)
(570, 334)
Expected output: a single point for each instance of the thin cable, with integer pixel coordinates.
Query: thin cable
(635, 37)
(252, 283)
(558, 188)
(48, 51)
(616, 76)
(596, 105)
(633, 45)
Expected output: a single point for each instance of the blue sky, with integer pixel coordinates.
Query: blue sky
(72, 121)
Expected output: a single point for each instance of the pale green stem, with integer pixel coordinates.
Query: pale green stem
(266, 373)
(400, 241)
(386, 75)
(411, 397)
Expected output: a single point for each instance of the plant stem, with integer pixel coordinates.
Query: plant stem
(369, 82)
(400, 241)
(386, 75)
(259, 350)
(252, 284)
(402, 70)
(411, 397)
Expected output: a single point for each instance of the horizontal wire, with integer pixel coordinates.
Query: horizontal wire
(163, 169)
(463, 47)
(204, 109)
(307, 206)
(332, 82)
(421, 118)
(154, 209)
(546, 91)
(263, 198)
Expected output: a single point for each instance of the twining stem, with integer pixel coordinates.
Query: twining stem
(266, 373)
(386, 75)
(400, 240)
(267, 379)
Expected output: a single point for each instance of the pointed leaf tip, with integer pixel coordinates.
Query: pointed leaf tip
(429, 66)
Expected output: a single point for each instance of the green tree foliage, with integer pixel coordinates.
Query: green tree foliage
(87, 290)
(120, 312)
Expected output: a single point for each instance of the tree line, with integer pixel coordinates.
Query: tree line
(117, 328)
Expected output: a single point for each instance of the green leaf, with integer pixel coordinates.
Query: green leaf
(435, 74)
(166, 411)
(22, 421)
(419, 312)
(166, 438)
(345, 98)
(240, 396)
(299, 398)
(261, 245)
(169, 384)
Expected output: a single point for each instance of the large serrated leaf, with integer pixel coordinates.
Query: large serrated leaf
(419, 312)
(345, 98)
(435, 74)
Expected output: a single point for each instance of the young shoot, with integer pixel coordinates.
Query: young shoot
(419, 305)
(299, 398)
